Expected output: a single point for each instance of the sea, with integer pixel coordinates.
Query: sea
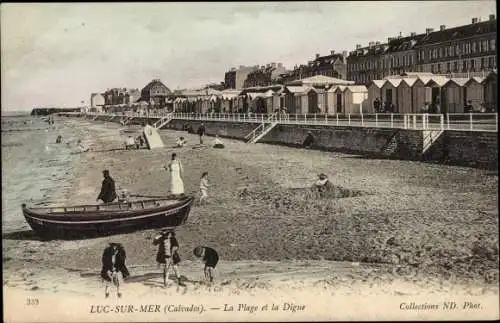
(35, 169)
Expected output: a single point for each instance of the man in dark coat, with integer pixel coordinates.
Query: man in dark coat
(108, 190)
(201, 132)
(113, 261)
(167, 253)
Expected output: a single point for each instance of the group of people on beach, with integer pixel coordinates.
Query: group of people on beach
(217, 143)
(167, 256)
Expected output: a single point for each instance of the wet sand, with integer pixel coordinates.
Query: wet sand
(428, 227)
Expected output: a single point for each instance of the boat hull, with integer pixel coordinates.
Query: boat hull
(80, 227)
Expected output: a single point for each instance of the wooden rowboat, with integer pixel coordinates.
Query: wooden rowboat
(105, 219)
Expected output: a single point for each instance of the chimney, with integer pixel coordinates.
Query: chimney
(358, 46)
(492, 17)
(442, 27)
(389, 39)
(413, 34)
(428, 30)
(317, 55)
(474, 20)
(370, 44)
(332, 52)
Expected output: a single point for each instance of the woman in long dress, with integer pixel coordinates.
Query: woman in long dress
(175, 169)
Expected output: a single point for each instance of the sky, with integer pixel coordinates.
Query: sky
(58, 54)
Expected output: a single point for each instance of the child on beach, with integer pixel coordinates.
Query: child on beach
(113, 261)
(167, 254)
(204, 187)
(210, 258)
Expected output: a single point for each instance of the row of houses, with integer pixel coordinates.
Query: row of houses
(463, 51)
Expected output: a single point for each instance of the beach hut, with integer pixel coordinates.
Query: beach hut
(435, 83)
(296, 99)
(474, 92)
(375, 91)
(356, 99)
(339, 99)
(330, 100)
(421, 94)
(321, 100)
(452, 96)
(490, 84)
(389, 93)
(405, 95)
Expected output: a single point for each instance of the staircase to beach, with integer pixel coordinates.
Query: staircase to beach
(263, 129)
(430, 136)
(163, 121)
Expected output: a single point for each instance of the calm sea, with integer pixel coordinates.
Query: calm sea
(35, 170)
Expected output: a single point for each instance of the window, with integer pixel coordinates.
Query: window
(452, 50)
(472, 65)
(482, 62)
(464, 66)
(439, 68)
(457, 49)
(432, 68)
(440, 51)
(493, 44)
(490, 62)
(486, 45)
(446, 52)
(429, 54)
(473, 46)
(448, 67)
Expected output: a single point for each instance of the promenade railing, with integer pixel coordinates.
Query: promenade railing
(421, 121)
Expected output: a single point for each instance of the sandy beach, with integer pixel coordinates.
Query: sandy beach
(397, 227)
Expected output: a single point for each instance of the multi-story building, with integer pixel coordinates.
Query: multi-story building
(367, 63)
(235, 78)
(333, 65)
(117, 96)
(155, 93)
(468, 50)
(265, 75)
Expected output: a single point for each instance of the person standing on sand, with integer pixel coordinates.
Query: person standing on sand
(167, 254)
(204, 187)
(108, 190)
(201, 132)
(176, 172)
(113, 261)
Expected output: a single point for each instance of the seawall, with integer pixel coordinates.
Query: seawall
(465, 148)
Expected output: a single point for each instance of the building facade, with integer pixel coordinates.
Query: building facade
(235, 78)
(333, 65)
(155, 93)
(97, 102)
(463, 51)
(264, 76)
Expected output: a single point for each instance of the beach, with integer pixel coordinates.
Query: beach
(395, 227)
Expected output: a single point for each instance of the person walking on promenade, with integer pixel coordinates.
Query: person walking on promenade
(167, 254)
(201, 132)
(204, 187)
(108, 190)
(176, 172)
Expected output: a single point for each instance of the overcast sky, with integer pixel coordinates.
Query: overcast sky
(57, 54)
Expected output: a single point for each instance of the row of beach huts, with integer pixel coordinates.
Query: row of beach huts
(406, 93)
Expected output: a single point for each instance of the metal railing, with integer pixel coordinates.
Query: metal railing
(421, 121)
